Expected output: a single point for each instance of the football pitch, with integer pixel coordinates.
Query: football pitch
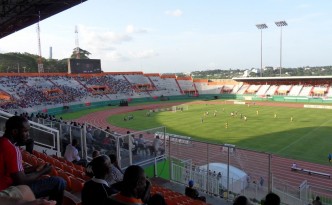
(298, 133)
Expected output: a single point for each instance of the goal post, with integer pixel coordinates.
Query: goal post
(180, 108)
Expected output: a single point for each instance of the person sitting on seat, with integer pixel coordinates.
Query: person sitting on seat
(272, 199)
(192, 192)
(96, 190)
(116, 174)
(22, 195)
(241, 200)
(135, 190)
(71, 154)
(11, 168)
(317, 201)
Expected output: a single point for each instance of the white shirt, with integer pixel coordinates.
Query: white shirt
(71, 153)
(156, 143)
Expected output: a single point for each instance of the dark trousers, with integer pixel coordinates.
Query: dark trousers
(53, 187)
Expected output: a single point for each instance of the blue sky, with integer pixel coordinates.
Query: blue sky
(185, 35)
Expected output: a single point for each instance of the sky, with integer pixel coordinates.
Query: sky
(158, 36)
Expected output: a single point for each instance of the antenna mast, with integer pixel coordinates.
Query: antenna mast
(40, 61)
(77, 49)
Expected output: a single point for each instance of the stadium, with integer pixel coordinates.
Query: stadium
(239, 136)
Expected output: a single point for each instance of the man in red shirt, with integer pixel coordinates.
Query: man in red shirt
(12, 171)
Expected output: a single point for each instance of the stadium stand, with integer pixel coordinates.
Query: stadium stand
(243, 89)
(186, 84)
(272, 90)
(306, 90)
(295, 91)
(263, 89)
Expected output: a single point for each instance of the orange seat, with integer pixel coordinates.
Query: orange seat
(78, 173)
(58, 164)
(68, 169)
(54, 172)
(33, 160)
(76, 184)
(40, 161)
(62, 160)
(66, 178)
(50, 160)
(79, 167)
(70, 164)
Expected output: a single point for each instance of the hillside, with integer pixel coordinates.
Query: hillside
(26, 62)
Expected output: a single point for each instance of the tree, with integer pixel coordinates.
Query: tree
(83, 54)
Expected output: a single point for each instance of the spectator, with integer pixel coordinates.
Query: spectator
(96, 190)
(89, 138)
(261, 181)
(116, 174)
(241, 200)
(18, 192)
(129, 140)
(21, 195)
(71, 154)
(95, 153)
(317, 201)
(191, 192)
(157, 146)
(272, 199)
(135, 189)
(141, 144)
(13, 201)
(11, 168)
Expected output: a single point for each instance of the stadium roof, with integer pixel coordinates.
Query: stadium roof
(18, 14)
(283, 78)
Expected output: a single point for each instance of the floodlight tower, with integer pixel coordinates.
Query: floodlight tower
(261, 27)
(281, 24)
(40, 61)
(77, 49)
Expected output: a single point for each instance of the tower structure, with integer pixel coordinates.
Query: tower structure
(40, 61)
(77, 48)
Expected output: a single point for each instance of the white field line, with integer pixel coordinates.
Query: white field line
(304, 136)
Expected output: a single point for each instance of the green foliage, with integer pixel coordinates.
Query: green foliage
(267, 72)
(11, 62)
(14, 62)
(26, 62)
(83, 54)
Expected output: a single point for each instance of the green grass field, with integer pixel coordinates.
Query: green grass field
(307, 137)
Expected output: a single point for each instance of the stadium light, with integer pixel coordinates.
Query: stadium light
(281, 24)
(261, 27)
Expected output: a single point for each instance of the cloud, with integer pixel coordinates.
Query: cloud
(115, 56)
(131, 29)
(96, 39)
(144, 54)
(175, 13)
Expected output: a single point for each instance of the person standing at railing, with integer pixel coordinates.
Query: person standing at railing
(71, 154)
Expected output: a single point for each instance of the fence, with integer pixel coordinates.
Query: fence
(129, 148)
(220, 169)
(217, 169)
(44, 136)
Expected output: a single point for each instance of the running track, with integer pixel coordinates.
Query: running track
(254, 163)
